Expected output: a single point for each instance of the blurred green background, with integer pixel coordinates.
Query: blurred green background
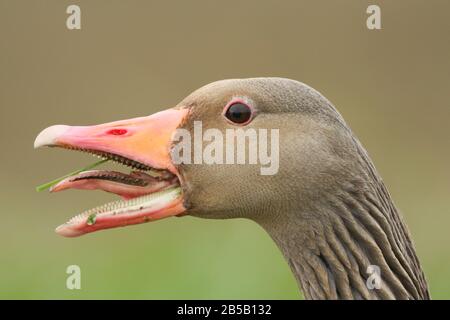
(132, 58)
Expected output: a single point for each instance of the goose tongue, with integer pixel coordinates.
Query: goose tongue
(127, 186)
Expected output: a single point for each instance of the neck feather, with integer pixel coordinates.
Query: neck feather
(359, 226)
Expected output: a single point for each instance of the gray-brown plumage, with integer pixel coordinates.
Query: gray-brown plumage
(327, 209)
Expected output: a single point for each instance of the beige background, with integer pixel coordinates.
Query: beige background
(132, 58)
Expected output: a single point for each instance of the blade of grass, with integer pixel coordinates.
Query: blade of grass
(50, 184)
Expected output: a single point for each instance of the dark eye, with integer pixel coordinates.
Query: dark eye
(238, 113)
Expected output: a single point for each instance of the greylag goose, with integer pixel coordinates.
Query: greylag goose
(324, 204)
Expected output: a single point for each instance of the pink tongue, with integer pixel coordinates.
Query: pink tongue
(80, 181)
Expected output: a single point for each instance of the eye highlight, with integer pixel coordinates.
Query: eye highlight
(238, 113)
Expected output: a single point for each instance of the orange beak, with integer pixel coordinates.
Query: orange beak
(143, 143)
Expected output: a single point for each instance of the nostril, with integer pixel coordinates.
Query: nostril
(117, 132)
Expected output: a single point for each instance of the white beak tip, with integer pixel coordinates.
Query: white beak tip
(48, 136)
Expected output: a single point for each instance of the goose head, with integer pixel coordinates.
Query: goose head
(307, 181)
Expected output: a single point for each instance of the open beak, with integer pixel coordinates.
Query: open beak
(151, 191)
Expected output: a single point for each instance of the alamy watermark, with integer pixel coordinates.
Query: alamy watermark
(73, 21)
(237, 146)
(373, 21)
(73, 281)
(374, 279)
